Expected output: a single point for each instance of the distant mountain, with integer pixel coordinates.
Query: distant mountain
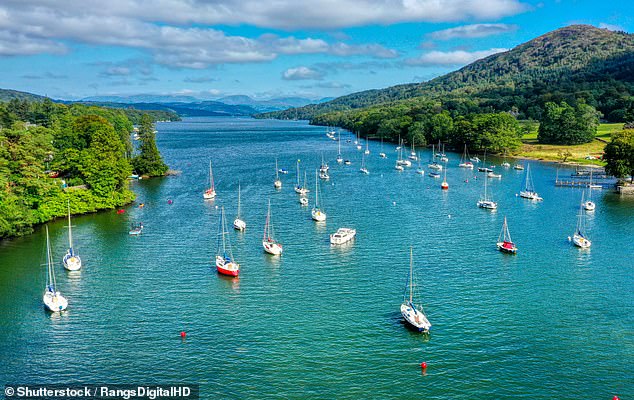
(8, 94)
(142, 98)
(190, 109)
(571, 63)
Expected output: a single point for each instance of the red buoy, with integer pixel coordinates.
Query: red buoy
(423, 365)
(120, 211)
(615, 398)
(169, 201)
(183, 334)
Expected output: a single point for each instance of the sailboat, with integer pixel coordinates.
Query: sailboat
(278, 182)
(358, 142)
(486, 202)
(225, 264)
(518, 167)
(299, 189)
(363, 167)
(269, 244)
(420, 169)
(484, 168)
(367, 150)
(593, 186)
(412, 154)
(413, 313)
(579, 238)
(504, 243)
(211, 192)
(71, 261)
(505, 163)
(53, 299)
(238, 223)
(339, 158)
(443, 157)
(464, 160)
(434, 164)
(316, 213)
(528, 191)
(382, 154)
(444, 185)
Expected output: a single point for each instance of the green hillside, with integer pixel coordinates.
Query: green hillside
(571, 63)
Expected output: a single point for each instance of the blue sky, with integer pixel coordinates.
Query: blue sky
(320, 48)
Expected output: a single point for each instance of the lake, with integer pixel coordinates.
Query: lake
(553, 321)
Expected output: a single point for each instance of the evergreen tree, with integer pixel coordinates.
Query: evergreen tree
(149, 161)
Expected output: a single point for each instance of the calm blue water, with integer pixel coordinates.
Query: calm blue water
(324, 322)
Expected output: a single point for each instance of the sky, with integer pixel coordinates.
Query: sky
(208, 49)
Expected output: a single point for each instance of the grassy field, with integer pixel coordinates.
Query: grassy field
(550, 152)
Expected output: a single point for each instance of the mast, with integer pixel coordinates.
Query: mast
(339, 145)
(485, 192)
(304, 186)
(316, 191)
(70, 232)
(580, 227)
(528, 184)
(298, 173)
(411, 272)
(277, 172)
(211, 177)
(238, 217)
(268, 219)
(52, 285)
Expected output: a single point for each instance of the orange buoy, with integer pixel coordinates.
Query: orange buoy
(423, 365)
(183, 334)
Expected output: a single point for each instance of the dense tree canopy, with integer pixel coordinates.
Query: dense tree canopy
(619, 154)
(148, 161)
(51, 154)
(563, 124)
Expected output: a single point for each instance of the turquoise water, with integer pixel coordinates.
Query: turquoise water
(324, 322)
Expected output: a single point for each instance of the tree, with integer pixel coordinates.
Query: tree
(149, 161)
(619, 154)
(563, 124)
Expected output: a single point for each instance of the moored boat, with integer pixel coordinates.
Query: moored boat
(505, 243)
(225, 264)
(269, 243)
(343, 235)
(210, 193)
(71, 261)
(411, 310)
(528, 190)
(52, 298)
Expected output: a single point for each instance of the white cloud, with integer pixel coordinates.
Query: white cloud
(285, 14)
(472, 31)
(451, 58)
(301, 73)
(611, 27)
(33, 30)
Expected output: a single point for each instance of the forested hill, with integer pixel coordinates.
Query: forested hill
(571, 63)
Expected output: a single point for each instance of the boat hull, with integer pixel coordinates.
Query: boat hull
(72, 262)
(272, 248)
(343, 235)
(318, 215)
(239, 224)
(505, 249)
(415, 319)
(227, 268)
(581, 242)
(54, 302)
(209, 194)
(530, 196)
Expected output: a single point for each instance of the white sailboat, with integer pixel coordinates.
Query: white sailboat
(589, 205)
(434, 164)
(486, 202)
(443, 157)
(464, 160)
(505, 243)
(382, 154)
(339, 158)
(278, 182)
(505, 163)
(53, 299)
(211, 192)
(484, 168)
(412, 154)
(528, 191)
(71, 261)
(317, 213)
(579, 238)
(420, 169)
(413, 313)
(363, 168)
(225, 264)
(269, 244)
(299, 189)
(367, 150)
(238, 223)
(592, 185)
